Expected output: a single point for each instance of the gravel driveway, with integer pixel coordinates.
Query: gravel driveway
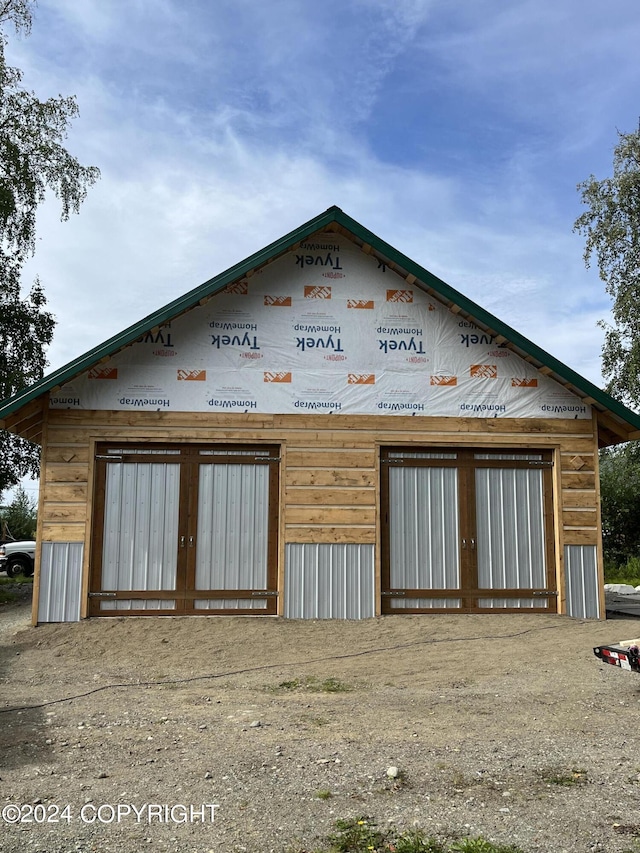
(505, 726)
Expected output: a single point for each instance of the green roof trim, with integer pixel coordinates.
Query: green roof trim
(332, 216)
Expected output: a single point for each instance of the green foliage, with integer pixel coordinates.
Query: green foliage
(314, 685)
(328, 685)
(9, 597)
(415, 841)
(357, 835)
(620, 499)
(18, 520)
(611, 226)
(481, 845)
(33, 160)
(628, 572)
(7, 586)
(362, 835)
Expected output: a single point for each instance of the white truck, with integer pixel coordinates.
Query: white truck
(16, 558)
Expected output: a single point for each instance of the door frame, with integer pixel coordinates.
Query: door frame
(185, 595)
(466, 462)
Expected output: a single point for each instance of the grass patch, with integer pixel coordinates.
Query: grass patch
(324, 794)
(15, 589)
(328, 685)
(7, 597)
(312, 684)
(362, 835)
(312, 720)
(294, 684)
(481, 845)
(565, 779)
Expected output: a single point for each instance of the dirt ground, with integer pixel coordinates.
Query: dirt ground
(505, 726)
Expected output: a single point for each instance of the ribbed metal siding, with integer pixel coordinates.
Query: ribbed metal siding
(230, 603)
(581, 567)
(511, 535)
(60, 582)
(332, 581)
(423, 529)
(521, 603)
(139, 604)
(140, 531)
(425, 603)
(233, 527)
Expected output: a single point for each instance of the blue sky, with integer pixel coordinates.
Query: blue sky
(457, 131)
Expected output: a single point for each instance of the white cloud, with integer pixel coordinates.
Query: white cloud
(220, 127)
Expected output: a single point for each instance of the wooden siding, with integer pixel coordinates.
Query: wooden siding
(580, 507)
(329, 470)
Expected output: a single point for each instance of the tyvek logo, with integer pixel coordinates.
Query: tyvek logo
(361, 379)
(240, 288)
(442, 379)
(399, 295)
(103, 373)
(366, 304)
(483, 371)
(282, 376)
(524, 383)
(192, 375)
(317, 292)
(278, 301)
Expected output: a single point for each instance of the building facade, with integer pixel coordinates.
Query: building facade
(326, 430)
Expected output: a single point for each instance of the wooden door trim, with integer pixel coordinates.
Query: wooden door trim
(189, 457)
(466, 462)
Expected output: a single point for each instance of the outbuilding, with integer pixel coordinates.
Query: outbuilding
(325, 430)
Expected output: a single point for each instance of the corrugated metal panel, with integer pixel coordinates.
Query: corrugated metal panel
(510, 529)
(531, 457)
(521, 603)
(425, 603)
(233, 527)
(329, 581)
(60, 582)
(423, 528)
(581, 567)
(139, 604)
(422, 454)
(230, 604)
(140, 529)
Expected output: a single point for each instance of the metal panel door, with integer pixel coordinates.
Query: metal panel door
(232, 552)
(187, 530)
(511, 533)
(423, 535)
(462, 524)
(139, 534)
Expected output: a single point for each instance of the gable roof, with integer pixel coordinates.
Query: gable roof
(617, 423)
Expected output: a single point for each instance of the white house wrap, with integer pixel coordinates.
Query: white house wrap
(324, 329)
